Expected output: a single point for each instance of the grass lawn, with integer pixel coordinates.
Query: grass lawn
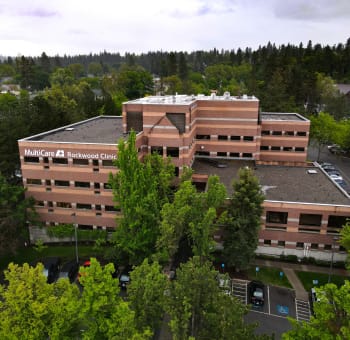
(307, 277)
(30, 255)
(269, 275)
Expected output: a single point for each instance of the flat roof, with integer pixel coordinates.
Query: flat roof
(97, 130)
(282, 116)
(279, 183)
(184, 99)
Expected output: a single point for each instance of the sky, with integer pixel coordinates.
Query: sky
(71, 27)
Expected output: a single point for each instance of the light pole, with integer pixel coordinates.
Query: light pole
(335, 238)
(76, 237)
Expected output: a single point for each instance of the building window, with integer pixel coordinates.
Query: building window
(314, 246)
(107, 186)
(83, 206)
(39, 203)
(310, 219)
(48, 182)
(95, 162)
(267, 242)
(287, 148)
(50, 204)
(77, 161)
(65, 205)
(60, 161)
(221, 137)
(247, 155)
(98, 207)
(202, 136)
(336, 221)
(107, 162)
(289, 133)
(221, 154)
(31, 159)
(172, 152)
(46, 159)
(299, 149)
(34, 181)
(300, 245)
(111, 208)
(235, 137)
(97, 185)
(264, 148)
(301, 133)
(275, 148)
(82, 184)
(248, 138)
(276, 133)
(327, 247)
(202, 153)
(341, 248)
(59, 183)
(265, 132)
(276, 217)
(281, 243)
(157, 150)
(234, 154)
(85, 227)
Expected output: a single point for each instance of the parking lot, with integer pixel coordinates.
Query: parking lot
(279, 302)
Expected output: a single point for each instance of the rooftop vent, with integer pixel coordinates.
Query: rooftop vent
(312, 171)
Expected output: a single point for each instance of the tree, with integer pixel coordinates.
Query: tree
(345, 240)
(15, 211)
(191, 216)
(103, 313)
(30, 308)
(199, 309)
(146, 294)
(331, 319)
(243, 224)
(140, 190)
(322, 130)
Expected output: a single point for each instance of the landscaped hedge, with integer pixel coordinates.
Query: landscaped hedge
(67, 231)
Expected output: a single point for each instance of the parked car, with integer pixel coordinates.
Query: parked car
(256, 293)
(336, 177)
(329, 168)
(51, 268)
(69, 271)
(124, 277)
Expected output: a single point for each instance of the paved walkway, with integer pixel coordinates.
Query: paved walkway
(290, 268)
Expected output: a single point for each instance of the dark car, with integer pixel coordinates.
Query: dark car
(124, 277)
(51, 268)
(256, 293)
(69, 270)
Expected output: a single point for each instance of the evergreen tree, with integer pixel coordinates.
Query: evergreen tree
(243, 223)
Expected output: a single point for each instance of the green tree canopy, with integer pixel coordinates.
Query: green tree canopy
(243, 223)
(140, 190)
(332, 316)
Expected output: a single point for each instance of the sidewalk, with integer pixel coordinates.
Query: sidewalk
(290, 268)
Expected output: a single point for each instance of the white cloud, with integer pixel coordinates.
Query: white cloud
(84, 26)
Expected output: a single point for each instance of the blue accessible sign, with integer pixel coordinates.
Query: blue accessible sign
(284, 310)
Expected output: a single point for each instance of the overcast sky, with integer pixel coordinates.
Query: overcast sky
(83, 26)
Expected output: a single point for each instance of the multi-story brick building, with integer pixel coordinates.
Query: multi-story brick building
(66, 170)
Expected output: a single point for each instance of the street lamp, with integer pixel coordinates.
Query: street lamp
(335, 239)
(76, 237)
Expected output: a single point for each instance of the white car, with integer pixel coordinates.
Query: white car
(336, 177)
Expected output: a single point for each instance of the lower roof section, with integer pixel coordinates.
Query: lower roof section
(279, 183)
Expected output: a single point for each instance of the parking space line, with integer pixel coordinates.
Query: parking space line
(268, 297)
(257, 311)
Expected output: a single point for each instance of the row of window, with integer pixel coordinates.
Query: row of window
(80, 206)
(63, 183)
(302, 245)
(64, 161)
(170, 151)
(224, 137)
(283, 133)
(225, 154)
(280, 148)
(85, 227)
(306, 219)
